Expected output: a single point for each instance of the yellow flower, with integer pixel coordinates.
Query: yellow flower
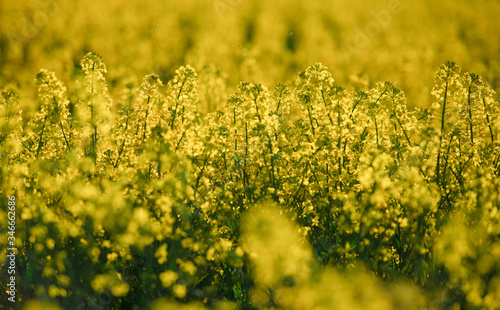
(179, 290)
(168, 278)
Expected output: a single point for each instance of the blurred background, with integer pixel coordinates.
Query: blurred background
(268, 42)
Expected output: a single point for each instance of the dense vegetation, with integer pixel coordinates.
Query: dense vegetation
(204, 161)
(354, 201)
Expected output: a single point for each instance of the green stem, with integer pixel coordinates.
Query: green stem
(200, 175)
(273, 176)
(41, 137)
(225, 161)
(442, 125)
(235, 131)
(354, 107)
(145, 121)
(64, 135)
(180, 140)
(374, 116)
(488, 120)
(470, 116)
(279, 101)
(446, 162)
(402, 128)
(327, 176)
(94, 151)
(125, 139)
(257, 109)
(310, 119)
(177, 103)
(339, 142)
(92, 119)
(245, 177)
(119, 153)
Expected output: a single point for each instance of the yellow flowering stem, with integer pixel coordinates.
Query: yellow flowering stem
(354, 106)
(200, 175)
(327, 177)
(403, 129)
(257, 108)
(317, 181)
(149, 172)
(94, 135)
(470, 113)
(94, 139)
(488, 121)
(497, 165)
(64, 135)
(296, 195)
(175, 114)
(123, 144)
(225, 161)
(375, 117)
(245, 179)
(339, 143)
(145, 120)
(235, 131)
(179, 142)
(446, 163)
(443, 118)
(93, 122)
(273, 177)
(60, 123)
(465, 165)
(177, 102)
(310, 118)
(281, 88)
(41, 136)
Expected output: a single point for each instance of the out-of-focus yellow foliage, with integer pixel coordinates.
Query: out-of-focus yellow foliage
(468, 246)
(257, 41)
(275, 249)
(36, 305)
(285, 275)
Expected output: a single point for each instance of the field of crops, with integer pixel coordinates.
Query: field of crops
(249, 155)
